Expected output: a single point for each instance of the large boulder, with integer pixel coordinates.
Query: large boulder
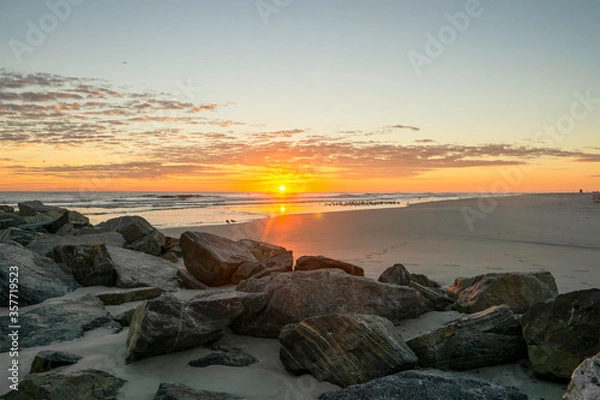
(561, 333)
(261, 250)
(178, 391)
(38, 278)
(90, 265)
(396, 274)
(285, 298)
(135, 269)
(310, 263)
(57, 320)
(47, 360)
(426, 385)
(399, 275)
(211, 258)
(344, 349)
(223, 355)
(137, 232)
(486, 338)
(282, 262)
(585, 381)
(20, 236)
(89, 384)
(166, 324)
(126, 296)
(51, 219)
(44, 243)
(518, 290)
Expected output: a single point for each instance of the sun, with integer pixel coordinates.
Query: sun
(282, 188)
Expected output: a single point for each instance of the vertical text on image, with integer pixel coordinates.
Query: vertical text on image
(13, 326)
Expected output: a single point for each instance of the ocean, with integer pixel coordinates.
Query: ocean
(167, 210)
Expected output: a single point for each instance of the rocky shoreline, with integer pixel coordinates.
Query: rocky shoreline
(330, 320)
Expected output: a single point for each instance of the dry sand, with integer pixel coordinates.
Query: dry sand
(558, 233)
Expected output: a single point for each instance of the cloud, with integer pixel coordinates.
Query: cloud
(413, 128)
(204, 107)
(424, 141)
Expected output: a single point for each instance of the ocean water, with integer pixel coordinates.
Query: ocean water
(166, 210)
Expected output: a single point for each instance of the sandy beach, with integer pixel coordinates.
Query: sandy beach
(558, 233)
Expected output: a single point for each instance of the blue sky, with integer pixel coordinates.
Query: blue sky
(329, 67)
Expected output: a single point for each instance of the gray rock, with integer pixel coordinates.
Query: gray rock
(518, 290)
(135, 269)
(6, 223)
(211, 258)
(36, 215)
(116, 298)
(426, 385)
(344, 349)
(423, 280)
(223, 355)
(48, 360)
(137, 232)
(188, 281)
(89, 384)
(20, 236)
(177, 391)
(44, 243)
(286, 298)
(560, 334)
(90, 265)
(7, 209)
(310, 263)
(282, 262)
(261, 250)
(482, 339)
(39, 278)
(165, 325)
(57, 320)
(438, 298)
(396, 274)
(124, 318)
(585, 381)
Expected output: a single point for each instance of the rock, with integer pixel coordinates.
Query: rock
(20, 236)
(177, 391)
(560, 334)
(44, 243)
(135, 269)
(170, 256)
(213, 259)
(49, 218)
(423, 280)
(309, 263)
(399, 275)
(396, 274)
(188, 281)
(33, 208)
(165, 325)
(39, 278)
(6, 223)
(57, 320)
(261, 250)
(585, 381)
(116, 298)
(292, 297)
(482, 339)
(518, 290)
(426, 385)
(91, 265)
(437, 297)
(89, 384)
(282, 262)
(125, 317)
(137, 232)
(7, 209)
(223, 355)
(344, 349)
(47, 360)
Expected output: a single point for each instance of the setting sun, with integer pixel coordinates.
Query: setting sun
(282, 188)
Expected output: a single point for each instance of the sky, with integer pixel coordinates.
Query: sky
(247, 95)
